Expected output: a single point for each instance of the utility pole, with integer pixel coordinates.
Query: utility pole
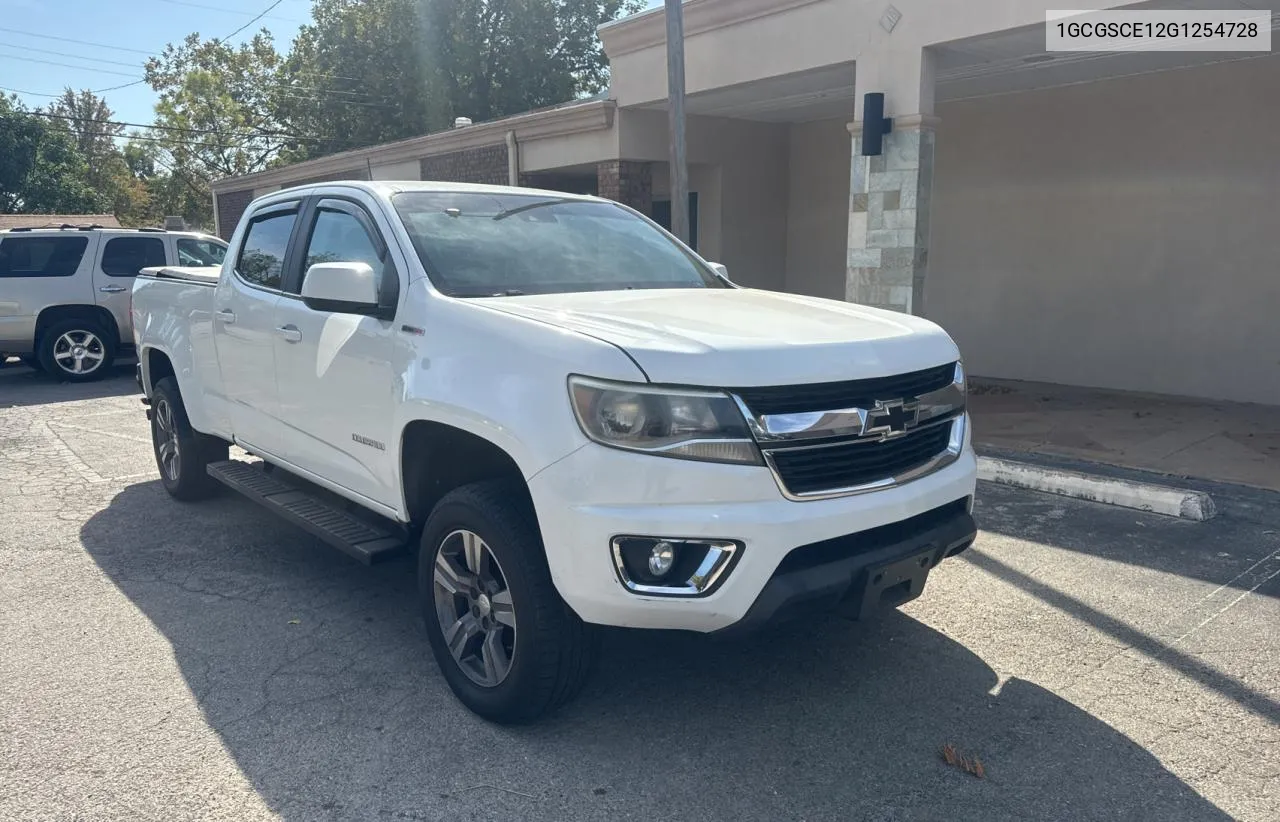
(675, 112)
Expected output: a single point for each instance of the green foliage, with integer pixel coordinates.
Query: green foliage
(40, 169)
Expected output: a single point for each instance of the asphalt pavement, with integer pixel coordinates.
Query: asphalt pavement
(164, 661)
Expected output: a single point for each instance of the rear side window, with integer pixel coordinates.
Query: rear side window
(200, 252)
(126, 256)
(262, 256)
(41, 256)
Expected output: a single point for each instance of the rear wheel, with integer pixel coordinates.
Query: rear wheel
(182, 454)
(507, 644)
(77, 350)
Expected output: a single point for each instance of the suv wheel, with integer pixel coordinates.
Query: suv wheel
(507, 644)
(182, 454)
(76, 350)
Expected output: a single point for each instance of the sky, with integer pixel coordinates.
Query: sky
(124, 33)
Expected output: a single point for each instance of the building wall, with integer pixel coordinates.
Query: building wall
(408, 170)
(231, 205)
(1122, 234)
(487, 164)
(818, 203)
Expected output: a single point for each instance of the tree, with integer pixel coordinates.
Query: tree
(90, 121)
(371, 71)
(40, 169)
(219, 105)
(501, 57)
(360, 74)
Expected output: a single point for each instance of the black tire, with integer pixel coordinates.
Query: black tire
(553, 651)
(31, 361)
(185, 477)
(60, 353)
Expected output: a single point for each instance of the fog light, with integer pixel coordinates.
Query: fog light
(661, 558)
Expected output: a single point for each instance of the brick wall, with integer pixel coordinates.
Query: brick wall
(627, 182)
(487, 164)
(231, 205)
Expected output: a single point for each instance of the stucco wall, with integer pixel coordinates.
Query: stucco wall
(408, 170)
(817, 221)
(1123, 233)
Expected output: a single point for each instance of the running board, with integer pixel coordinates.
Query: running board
(366, 542)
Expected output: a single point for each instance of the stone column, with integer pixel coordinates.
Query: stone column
(889, 199)
(627, 182)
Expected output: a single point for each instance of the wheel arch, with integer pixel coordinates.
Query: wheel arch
(56, 313)
(437, 457)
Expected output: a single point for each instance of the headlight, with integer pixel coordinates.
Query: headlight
(688, 424)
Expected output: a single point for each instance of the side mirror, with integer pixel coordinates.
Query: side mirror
(345, 288)
(720, 271)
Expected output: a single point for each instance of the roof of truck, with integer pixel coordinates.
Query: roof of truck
(388, 187)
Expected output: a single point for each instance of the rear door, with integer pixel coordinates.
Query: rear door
(38, 271)
(334, 369)
(244, 327)
(120, 258)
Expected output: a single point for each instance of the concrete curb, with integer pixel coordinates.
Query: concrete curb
(1141, 496)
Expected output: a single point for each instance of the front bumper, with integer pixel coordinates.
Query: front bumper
(597, 493)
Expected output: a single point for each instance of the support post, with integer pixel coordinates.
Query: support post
(675, 111)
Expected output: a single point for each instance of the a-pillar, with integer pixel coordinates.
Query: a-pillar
(890, 194)
(627, 182)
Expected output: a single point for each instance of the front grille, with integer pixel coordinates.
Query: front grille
(854, 463)
(830, 396)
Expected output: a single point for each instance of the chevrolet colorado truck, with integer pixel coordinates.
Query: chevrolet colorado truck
(573, 418)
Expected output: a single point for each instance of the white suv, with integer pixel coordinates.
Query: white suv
(65, 292)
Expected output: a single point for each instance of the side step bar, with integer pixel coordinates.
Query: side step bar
(366, 542)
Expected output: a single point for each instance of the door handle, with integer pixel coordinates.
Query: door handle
(112, 289)
(291, 333)
(226, 315)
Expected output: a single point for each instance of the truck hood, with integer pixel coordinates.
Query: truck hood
(743, 337)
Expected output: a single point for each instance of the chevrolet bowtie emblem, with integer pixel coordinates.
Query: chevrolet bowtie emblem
(891, 418)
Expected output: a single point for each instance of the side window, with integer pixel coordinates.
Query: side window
(126, 256)
(262, 256)
(41, 256)
(338, 237)
(200, 252)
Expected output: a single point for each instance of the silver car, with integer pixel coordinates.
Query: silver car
(65, 292)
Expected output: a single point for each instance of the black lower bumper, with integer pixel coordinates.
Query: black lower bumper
(859, 574)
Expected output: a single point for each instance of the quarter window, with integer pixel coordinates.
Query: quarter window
(41, 256)
(200, 252)
(126, 256)
(262, 256)
(338, 237)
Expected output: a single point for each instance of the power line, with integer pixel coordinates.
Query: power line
(64, 54)
(228, 11)
(121, 123)
(254, 20)
(64, 65)
(71, 40)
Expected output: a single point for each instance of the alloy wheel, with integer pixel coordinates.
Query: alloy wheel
(474, 607)
(167, 440)
(79, 352)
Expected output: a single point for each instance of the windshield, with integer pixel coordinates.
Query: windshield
(488, 245)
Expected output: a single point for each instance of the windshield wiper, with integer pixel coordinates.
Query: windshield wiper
(511, 212)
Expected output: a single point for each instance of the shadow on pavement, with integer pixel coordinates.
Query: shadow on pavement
(21, 386)
(1216, 551)
(316, 675)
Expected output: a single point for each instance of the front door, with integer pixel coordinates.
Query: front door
(119, 262)
(334, 369)
(244, 327)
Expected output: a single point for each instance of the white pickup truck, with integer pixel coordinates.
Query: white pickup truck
(575, 419)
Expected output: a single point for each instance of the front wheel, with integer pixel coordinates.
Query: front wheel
(507, 644)
(182, 453)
